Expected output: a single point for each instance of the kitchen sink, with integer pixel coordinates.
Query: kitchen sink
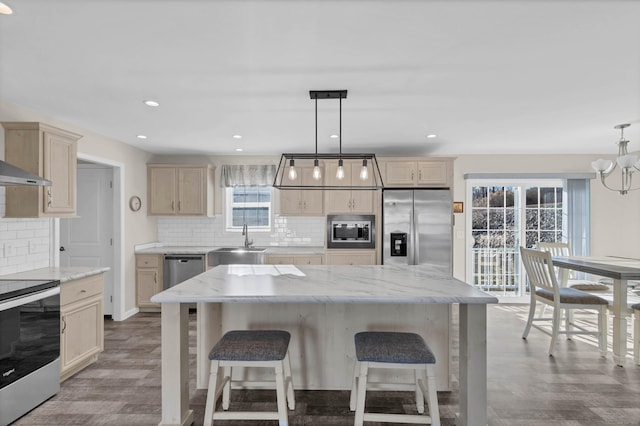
(236, 255)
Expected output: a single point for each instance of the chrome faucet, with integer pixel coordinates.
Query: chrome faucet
(245, 231)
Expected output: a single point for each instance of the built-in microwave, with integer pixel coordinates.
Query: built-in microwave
(351, 231)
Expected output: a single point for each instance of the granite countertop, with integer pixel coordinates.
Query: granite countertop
(206, 249)
(63, 274)
(323, 284)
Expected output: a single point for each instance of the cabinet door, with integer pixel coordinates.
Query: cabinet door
(191, 191)
(290, 198)
(312, 200)
(148, 284)
(400, 173)
(60, 168)
(433, 173)
(338, 200)
(361, 200)
(82, 332)
(351, 257)
(162, 190)
(279, 259)
(312, 259)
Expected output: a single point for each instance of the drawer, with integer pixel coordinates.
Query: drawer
(82, 288)
(147, 261)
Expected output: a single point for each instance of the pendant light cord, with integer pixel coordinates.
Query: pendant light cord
(316, 128)
(340, 127)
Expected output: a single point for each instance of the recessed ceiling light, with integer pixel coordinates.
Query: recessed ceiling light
(431, 136)
(239, 149)
(141, 136)
(237, 136)
(151, 103)
(334, 136)
(5, 10)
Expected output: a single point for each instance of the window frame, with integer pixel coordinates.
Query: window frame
(229, 205)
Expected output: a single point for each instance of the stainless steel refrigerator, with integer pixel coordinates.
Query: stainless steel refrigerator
(417, 228)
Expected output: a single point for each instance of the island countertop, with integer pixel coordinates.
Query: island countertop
(323, 284)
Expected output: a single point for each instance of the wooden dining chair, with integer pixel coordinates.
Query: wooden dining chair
(564, 249)
(544, 288)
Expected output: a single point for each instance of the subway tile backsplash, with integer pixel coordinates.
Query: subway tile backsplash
(287, 231)
(24, 243)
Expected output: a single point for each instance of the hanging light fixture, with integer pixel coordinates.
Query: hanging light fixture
(369, 180)
(317, 174)
(627, 163)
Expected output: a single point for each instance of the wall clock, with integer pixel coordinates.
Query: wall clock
(135, 203)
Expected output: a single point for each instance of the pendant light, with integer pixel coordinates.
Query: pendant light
(340, 171)
(287, 176)
(317, 174)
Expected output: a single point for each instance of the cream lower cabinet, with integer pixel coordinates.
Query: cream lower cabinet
(82, 323)
(350, 257)
(148, 280)
(48, 152)
(295, 259)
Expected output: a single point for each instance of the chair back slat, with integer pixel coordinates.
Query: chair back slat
(556, 249)
(539, 268)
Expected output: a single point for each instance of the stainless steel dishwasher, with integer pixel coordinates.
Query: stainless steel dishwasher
(181, 267)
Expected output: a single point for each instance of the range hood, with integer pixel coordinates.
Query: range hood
(12, 175)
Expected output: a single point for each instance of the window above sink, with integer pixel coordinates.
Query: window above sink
(251, 205)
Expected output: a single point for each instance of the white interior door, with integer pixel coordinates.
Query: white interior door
(87, 240)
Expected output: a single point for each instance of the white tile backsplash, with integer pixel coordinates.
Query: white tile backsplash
(286, 231)
(24, 243)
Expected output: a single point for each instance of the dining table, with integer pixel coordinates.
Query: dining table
(293, 291)
(620, 270)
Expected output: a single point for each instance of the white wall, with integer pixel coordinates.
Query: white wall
(615, 219)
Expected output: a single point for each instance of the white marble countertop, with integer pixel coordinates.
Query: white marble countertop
(322, 284)
(62, 274)
(206, 249)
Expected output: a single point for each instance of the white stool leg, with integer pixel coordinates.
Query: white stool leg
(420, 376)
(281, 395)
(288, 381)
(432, 395)
(361, 393)
(226, 390)
(210, 405)
(354, 384)
(636, 337)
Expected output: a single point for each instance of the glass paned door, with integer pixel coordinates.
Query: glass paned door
(503, 217)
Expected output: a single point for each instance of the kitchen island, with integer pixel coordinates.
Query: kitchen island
(322, 307)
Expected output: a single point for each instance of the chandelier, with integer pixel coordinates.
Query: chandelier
(361, 172)
(628, 164)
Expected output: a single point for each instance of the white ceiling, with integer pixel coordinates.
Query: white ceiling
(486, 76)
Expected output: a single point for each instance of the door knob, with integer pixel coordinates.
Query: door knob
(62, 248)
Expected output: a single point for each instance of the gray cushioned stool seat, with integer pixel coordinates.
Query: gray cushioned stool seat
(590, 287)
(251, 345)
(571, 295)
(392, 347)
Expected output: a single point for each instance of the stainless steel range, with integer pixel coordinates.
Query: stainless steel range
(29, 345)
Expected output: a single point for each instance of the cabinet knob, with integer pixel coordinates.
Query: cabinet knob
(64, 325)
(62, 248)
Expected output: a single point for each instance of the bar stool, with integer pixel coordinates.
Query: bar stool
(250, 348)
(377, 349)
(636, 333)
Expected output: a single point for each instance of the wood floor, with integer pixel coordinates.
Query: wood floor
(525, 385)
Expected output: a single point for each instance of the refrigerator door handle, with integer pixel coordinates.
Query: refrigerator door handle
(416, 238)
(411, 258)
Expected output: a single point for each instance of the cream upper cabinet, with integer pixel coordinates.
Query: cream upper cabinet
(48, 152)
(351, 257)
(309, 202)
(179, 190)
(349, 200)
(423, 173)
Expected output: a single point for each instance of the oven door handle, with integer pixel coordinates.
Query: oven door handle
(32, 297)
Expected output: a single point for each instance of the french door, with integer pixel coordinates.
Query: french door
(505, 215)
